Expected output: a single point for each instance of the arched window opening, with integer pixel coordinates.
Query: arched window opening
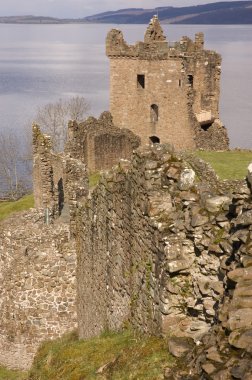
(154, 113)
(154, 140)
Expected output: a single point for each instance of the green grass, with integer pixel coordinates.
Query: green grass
(8, 208)
(229, 164)
(94, 179)
(6, 374)
(128, 357)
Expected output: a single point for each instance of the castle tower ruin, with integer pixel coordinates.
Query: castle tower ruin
(166, 92)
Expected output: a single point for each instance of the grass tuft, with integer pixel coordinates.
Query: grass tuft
(8, 208)
(112, 355)
(6, 374)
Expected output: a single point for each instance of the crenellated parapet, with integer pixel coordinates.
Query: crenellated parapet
(154, 46)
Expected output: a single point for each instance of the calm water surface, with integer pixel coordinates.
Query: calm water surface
(42, 63)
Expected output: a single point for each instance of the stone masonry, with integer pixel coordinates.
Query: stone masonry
(47, 173)
(153, 231)
(166, 92)
(99, 143)
(37, 285)
(163, 245)
(96, 144)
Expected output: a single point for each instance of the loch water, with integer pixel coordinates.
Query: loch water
(42, 63)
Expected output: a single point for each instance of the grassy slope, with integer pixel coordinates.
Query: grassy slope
(8, 208)
(127, 356)
(228, 165)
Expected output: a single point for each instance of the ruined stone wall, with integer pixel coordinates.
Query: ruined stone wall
(99, 143)
(47, 174)
(151, 239)
(205, 67)
(212, 137)
(42, 169)
(37, 286)
(115, 260)
(96, 143)
(182, 82)
(76, 187)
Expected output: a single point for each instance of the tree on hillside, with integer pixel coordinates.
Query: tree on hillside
(53, 118)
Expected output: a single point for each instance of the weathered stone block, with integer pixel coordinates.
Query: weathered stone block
(241, 338)
(215, 204)
(186, 180)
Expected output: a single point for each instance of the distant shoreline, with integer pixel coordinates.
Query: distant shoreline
(115, 22)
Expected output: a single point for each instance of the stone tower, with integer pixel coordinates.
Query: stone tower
(166, 92)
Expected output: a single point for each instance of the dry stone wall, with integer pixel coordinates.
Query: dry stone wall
(226, 351)
(151, 239)
(37, 286)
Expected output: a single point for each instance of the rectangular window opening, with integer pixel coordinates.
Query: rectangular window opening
(190, 80)
(140, 81)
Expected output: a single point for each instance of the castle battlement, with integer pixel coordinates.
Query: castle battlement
(155, 45)
(166, 92)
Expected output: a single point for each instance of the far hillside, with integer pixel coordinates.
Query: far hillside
(230, 12)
